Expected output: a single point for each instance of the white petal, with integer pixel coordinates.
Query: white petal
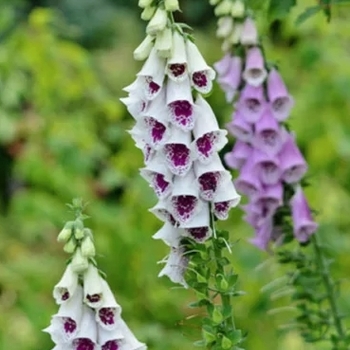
(66, 287)
(176, 67)
(144, 49)
(129, 342)
(105, 335)
(93, 287)
(169, 234)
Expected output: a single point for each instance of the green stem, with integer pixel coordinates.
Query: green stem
(329, 285)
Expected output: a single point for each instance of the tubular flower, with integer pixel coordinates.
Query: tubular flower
(266, 155)
(180, 137)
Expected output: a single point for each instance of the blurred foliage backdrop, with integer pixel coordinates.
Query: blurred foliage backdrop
(62, 135)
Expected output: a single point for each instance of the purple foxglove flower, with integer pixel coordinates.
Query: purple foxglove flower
(281, 101)
(66, 287)
(169, 234)
(109, 340)
(293, 164)
(199, 227)
(263, 235)
(254, 72)
(209, 139)
(129, 342)
(304, 225)
(252, 215)
(226, 198)
(162, 212)
(110, 310)
(240, 152)
(176, 265)
(184, 201)
(252, 103)
(267, 167)
(152, 75)
(177, 151)
(268, 134)
(248, 182)
(176, 67)
(249, 35)
(93, 287)
(231, 79)
(65, 324)
(86, 339)
(223, 66)
(210, 176)
(240, 128)
(180, 104)
(158, 176)
(201, 74)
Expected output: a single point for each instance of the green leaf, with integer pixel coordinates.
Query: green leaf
(310, 11)
(279, 9)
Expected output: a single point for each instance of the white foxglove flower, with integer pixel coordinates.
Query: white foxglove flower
(162, 211)
(129, 342)
(144, 49)
(169, 234)
(134, 104)
(145, 3)
(109, 311)
(184, 201)
(225, 27)
(109, 340)
(223, 8)
(176, 67)
(164, 43)
(201, 74)
(79, 262)
(171, 5)
(66, 323)
(158, 22)
(180, 104)
(176, 265)
(93, 287)
(66, 287)
(148, 13)
(209, 139)
(87, 335)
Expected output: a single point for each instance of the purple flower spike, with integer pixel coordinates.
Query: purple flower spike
(281, 101)
(252, 103)
(263, 235)
(293, 164)
(238, 155)
(254, 72)
(252, 215)
(267, 167)
(222, 67)
(304, 225)
(240, 128)
(268, 135)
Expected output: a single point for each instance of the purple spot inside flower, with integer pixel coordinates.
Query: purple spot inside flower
(184, 206)
(269, 137)
(172, 221)
(205, 144)
(160, 184)
(182, 113)
(253, 104)
(198, 233)
(208, 184)
(280, 103)
(94, 298)
(200, 79)
(153, 87)
(65, 295)
(111, 345)
(178, 158)
(107, 315)
(148, 152)
(83, 344)
(222, 208)
(157, 129)
(177, 69)
(69, 325)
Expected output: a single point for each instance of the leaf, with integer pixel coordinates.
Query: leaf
(310, 11)
(279, 9)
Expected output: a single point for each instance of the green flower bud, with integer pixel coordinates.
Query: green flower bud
(70, 246)
(144, 49)
(226, 343)
(79, 262)
(87, 247)
(224, 285)
(66, 232)
(172, 5)
(208, 337)
(217, 316)
(224, 8)
(238, 10)
(164, 43)
(148, 13)
(145, 3)
(78, 229)
(214, 2)
(158, 22)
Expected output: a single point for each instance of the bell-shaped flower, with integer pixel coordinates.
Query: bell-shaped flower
(230, 78)
(210, 176)
(109, 311)
(152, 75)
(225, 26)
(184, 201)
(268, 134)
(249, 34)
(109, 340)
(164, 43)
(238, 9)
(263, 235)
(66, 287)
(303, 223)
(235, 37)
(199, 227)
(129, 342)
(86, 339)
(175, 266)
(223, 66)
(252, 103)
(176, 67)
(171, 5)
(158, 176)
(180, 104)
(158, 22)
(209, 139)
(226, 198)
(281, 101)
(267, 167)
(177, 151)
(147, 150)
(93, 287)
(169, 234)
(240, 128)
(293, 164)
(162, 211)
(65, 324)
(240, 152)
(252, 215)
(254, 71)
(201, 74)
(248, 182)
(79, 262)
(144, 49)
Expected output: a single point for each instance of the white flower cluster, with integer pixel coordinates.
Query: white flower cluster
(89, 316)
(180, 138)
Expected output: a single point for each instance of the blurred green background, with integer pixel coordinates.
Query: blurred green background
(62, 135)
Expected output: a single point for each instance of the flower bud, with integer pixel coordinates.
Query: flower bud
(164, 43)
(78, 229)
(79, 262)
(223, 284)
(224, 8)
(87, 247)
(214, 2)
(158, 22)
(217, 316)
(237, 10)
(171, 5)
(145, 3)
(70, 246)
(66, 232)
(226, 343)
(144, 49)
(148, 13)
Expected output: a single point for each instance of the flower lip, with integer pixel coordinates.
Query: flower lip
(254, 72)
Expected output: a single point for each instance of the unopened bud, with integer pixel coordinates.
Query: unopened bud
(226, 343)
(78, 229)
(238, 10)
(70, 246)
(223, 284)
(145, 3)
(224, 8)
(66, 232)
(214, 2)
(148, 13)
(79, 262)
(172, 5)
(164, 43)
(87, 247)
(144, 49)
(158, 22)
(217, 316)
(225, 27)
(235, 37)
